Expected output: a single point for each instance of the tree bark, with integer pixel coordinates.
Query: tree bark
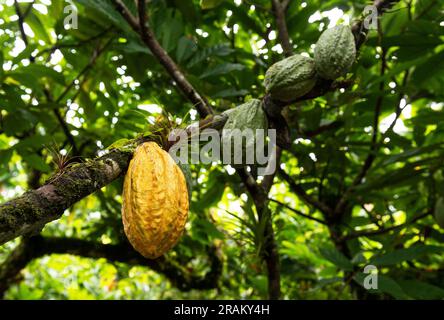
(30, 212)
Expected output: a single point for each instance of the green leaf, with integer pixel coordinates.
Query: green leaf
(18, 122)
(36, 162)
(34, 142)
(185, 49)
(390, 286)
(407, 175)
(106, 8)
(222, 69)
(408, 40)
(385, 284)
(214, 190)
(134, 46)
(210, 4)
(37, 27)
(228, 93)
(189, 12)
(411, 153)
(27, 80)
(408, 254)
(209, 229)
(429, 71)
(5, 157)
(337, 258)
(172, 30)
(41, 71)
(2, 61)
(421, 290)
(220, 50)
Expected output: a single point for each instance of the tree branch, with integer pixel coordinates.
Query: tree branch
(31, 211)
(279, 9)
(165, 60)
(299, 213)
(39, 246)
(374, 142)
(96, 54)
(58, 46)
(16, 261)
(20, 22)
(360, 31)
(369, 233)
(297, 189)
(35, 208)
(123, 10)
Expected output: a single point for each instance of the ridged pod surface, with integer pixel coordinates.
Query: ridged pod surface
(155, 201)
(335, 52)
(290, 78)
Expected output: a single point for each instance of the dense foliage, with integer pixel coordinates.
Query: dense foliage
(358, 187)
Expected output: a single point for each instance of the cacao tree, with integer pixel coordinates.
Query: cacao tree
(353, 89)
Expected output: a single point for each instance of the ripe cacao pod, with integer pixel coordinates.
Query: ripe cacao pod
(290, 78)
(335, 52)
(249, 115)
(439, 212)
(155, 201)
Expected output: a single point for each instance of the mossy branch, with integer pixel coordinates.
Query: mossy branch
(30, 212)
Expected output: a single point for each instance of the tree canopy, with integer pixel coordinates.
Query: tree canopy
(359, 183)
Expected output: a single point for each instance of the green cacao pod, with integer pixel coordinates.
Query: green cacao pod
(439, 212)
(249, 117)
(290, 78)
(335, 52)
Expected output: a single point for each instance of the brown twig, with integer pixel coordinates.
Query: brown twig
(21, 22)
(374, 142)
(38, 246)
(279, 9)
(167, 62)
(297, 189)
(96, 54)
(369, 233)
(72, 45)
(299, 213)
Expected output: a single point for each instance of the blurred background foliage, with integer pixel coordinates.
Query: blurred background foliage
(73, 92)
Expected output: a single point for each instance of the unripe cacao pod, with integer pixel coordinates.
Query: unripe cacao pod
(155, 201)
(248, 116)
(439, 212)
(290, 78)
(335, 52)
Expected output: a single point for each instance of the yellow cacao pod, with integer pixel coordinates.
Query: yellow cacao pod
(155, 201)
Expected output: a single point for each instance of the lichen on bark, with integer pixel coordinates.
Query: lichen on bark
(30, 212)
